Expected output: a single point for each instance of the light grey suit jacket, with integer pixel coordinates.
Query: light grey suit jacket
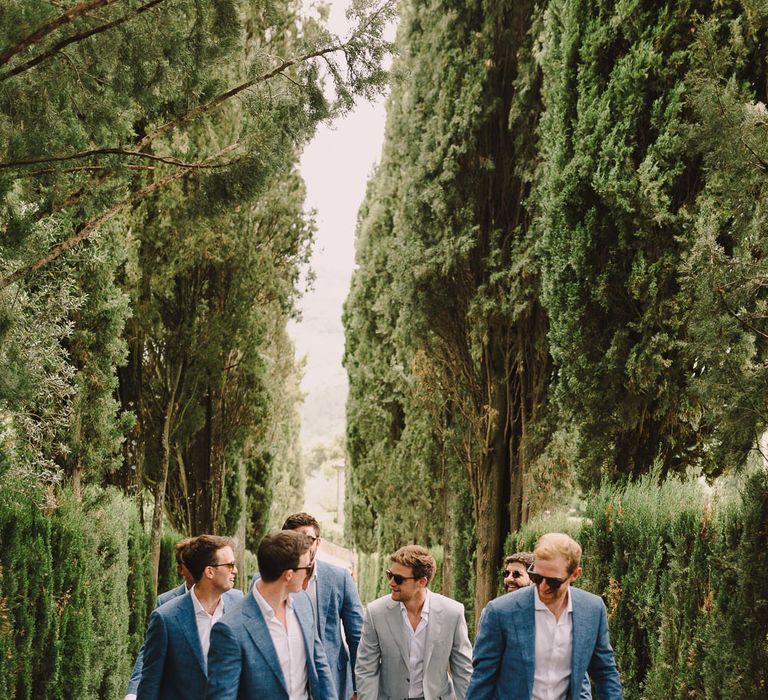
(382, 669)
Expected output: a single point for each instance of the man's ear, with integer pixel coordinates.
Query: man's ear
(576, 573)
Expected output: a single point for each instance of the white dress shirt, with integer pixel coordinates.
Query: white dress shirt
(554, 649)
(416, 641)
(289, 645)
(205, 621)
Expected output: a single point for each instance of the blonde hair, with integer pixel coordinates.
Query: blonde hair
(418, 559)
(558, 544)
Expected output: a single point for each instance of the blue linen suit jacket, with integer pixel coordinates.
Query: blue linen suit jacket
(173, 664)
(338, 604)
(243, 662)
(133, 683)
(505, 648)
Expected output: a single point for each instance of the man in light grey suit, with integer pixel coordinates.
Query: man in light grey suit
(539, 642)
(176, 645)
(414, 642)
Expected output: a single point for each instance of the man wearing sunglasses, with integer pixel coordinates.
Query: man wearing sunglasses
(537, 643)
(268, 646)
(181, 589)
(515, 573)
(176, 645)
(414, 642)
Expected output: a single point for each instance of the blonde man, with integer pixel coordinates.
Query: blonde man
(414, 642)
(537, 643)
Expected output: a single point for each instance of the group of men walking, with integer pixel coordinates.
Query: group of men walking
(300, 631)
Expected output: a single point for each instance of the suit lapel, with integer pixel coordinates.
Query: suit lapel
(434, 628)
(395, 622)
(579, 640)
(188, 624)
(525, 631)
(257, 629)
(323, 597)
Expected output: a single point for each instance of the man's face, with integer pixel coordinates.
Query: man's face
(224, 574)
(310, 532)
(556, 568)
(515, 576)
(300, 573)
(405, 591)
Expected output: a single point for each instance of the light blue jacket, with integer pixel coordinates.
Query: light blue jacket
(504, 654)
(338, 604)
(173, 667)
(243, 662)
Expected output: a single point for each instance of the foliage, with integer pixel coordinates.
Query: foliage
(75, 593)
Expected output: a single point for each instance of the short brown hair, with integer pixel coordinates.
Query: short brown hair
(418, 559)
(558, 544)
(281, 551)
(181, 547)
(297, 520)
(524, 558)
(201, 552)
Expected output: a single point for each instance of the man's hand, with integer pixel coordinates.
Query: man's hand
(354, 696)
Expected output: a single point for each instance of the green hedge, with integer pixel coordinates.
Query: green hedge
(683, 574)
(75, 593)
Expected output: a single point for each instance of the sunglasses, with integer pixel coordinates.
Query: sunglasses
(513, 574)
(231, 565)
(552, 582)
(397, 578)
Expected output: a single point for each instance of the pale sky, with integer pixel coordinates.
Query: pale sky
(336, 166)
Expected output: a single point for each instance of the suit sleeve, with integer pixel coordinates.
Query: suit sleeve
(602, 666)
(489, 651)
(155, 650)
(368, 661)
(352, 619)
(224, 664)
(326, 689)
(585, 692)
(461, 657)
(133, 683)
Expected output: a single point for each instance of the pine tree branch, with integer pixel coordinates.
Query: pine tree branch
(109, 152)
(223, 97)
(45, 29)
(57, 48)
(91, 226)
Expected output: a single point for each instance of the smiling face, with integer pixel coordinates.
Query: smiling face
(516, 576)
(556, 567)
(405, 591)
(224, 574)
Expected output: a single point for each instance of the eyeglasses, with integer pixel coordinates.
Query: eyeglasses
(514, 574)
(303, 568)
(398, 579)
(231, 565)
(552, 582)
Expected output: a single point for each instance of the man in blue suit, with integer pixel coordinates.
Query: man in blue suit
(268, 647)
(177, 640)
(539, 641)
(336, 602)
(189, 581)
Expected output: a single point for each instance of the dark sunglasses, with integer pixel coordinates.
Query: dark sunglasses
(397, 578)
(552, 582)
(303, 568)
(513, 574)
